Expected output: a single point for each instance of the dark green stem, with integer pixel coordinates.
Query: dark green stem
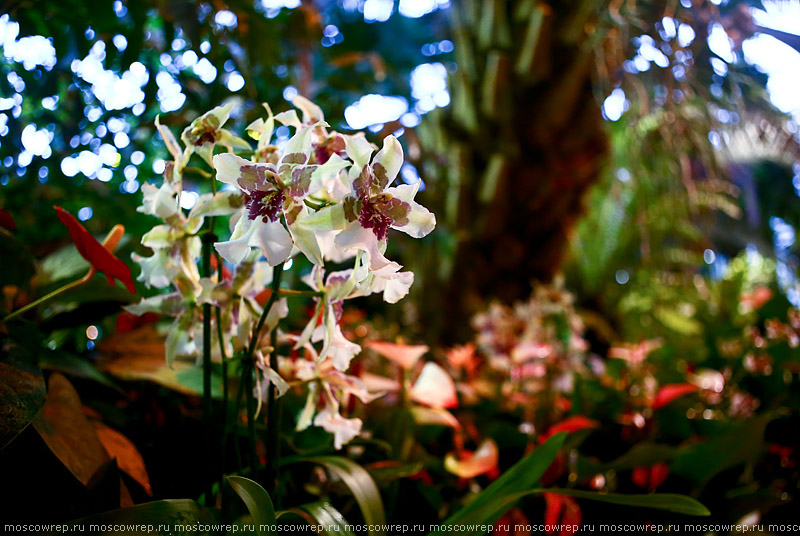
(273, 425)
(249, 366)
(208, 418)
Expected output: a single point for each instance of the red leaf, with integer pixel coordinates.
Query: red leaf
(93, 251)
(571, 424)
(7, 221)
(670, 392)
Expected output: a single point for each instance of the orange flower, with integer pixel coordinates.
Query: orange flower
(99, 255)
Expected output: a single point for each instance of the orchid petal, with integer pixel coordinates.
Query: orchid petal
(311, 112)
(219, 204)
(275, 242)
(170, 141)
(386, 164)
(167, 304)
(229, 167)
(359, 150)
(158, 270)
(159, 201)
(306, 416)
(306, 241)
(343, 430)
(421, 221)
(230, 140)
(330, 218)
(290, 119)
(356, 237)
(238, 246)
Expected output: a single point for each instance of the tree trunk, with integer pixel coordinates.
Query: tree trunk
(524, 138)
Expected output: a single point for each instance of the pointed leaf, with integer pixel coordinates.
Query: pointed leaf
(257, 501)
(361, 486)
(670, 502)
(323, 516)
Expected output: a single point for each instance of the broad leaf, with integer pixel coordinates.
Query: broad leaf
(139, 355)
(74, 366)
(325, 518)
(258, 503)
(361, 485)
(67, 431)
(124, 451)
(679, 504)
(22, 390)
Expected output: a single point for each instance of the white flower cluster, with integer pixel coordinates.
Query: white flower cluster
(322, 195)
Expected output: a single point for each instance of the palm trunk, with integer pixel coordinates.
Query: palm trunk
(524, 139)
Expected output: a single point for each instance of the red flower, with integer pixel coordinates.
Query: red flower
(650, 477)
(670, 392)
(563, 511)
(101, 259)
(569, 425)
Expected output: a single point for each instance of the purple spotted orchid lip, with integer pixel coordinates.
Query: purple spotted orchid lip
(373, 208)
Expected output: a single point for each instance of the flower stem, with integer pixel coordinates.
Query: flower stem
(273, 423)
(207, 407)
(50, 296)
(249, 367)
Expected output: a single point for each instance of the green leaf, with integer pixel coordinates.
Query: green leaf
(74, 366)
(742, 442)
(494, 501)
(361, 485)
(164, 517)
(257, 501)
(679, 504)
(22, 390)
(641, 454)
(323, 517)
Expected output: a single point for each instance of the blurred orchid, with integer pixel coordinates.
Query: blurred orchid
(401, 354)
(206, 131)
(434, 388)
(467, 464)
